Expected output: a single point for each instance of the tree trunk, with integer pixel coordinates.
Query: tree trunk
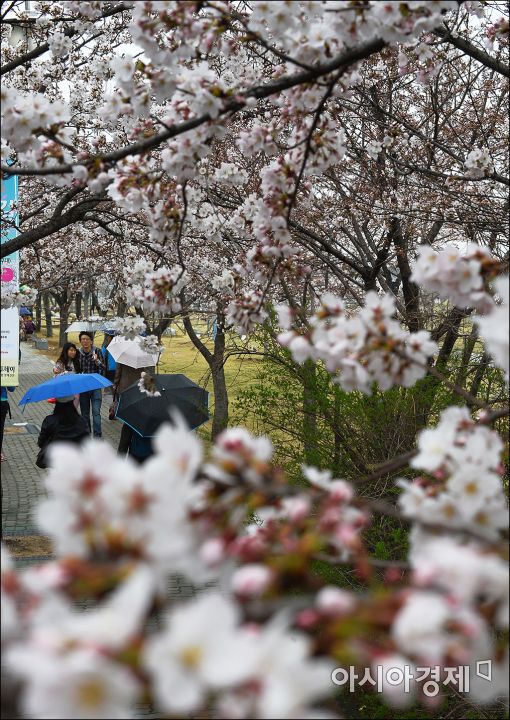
(469, 346)
(216, 362)
(95, 304)
(64, 300)
(78, 300)
(309, 377)
(86, 302)
(220, 418)
(121, 307)
(47, 314)
(429, 385)
(38, 312)
(480, 372)
(409, 288)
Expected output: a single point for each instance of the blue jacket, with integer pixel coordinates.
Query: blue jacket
(107, 359)
(4, 393)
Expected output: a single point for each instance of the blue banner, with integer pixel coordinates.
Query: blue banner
(10, 264)
(10, 281)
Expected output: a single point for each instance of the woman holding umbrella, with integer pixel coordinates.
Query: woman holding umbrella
(68, 362)
(125, 376)
(65, 424)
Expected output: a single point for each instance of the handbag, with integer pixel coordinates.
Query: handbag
(40, 460)
(113, 407)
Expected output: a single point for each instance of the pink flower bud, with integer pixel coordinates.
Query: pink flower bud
(330, 517)
(470, 630)
(393, 575)
(333, 601)
(252, 580)
(341, 491)
(347, 535)
(296, 508)
(423, 576)
(307, 618)
(212, 552)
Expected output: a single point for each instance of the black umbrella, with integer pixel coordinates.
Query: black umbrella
(145, 414)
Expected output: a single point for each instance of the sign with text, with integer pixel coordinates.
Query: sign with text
(9, 320)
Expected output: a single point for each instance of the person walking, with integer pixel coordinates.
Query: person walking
(28, 327)
(89, 361)
(5, 408)
(68, 362)
(108, 361)
(124, 377)
(65, 424)
(140, 448)
(110, 368)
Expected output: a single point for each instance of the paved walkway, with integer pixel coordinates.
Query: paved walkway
(22, 480)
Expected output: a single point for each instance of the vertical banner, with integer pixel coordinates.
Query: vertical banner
(9, 321)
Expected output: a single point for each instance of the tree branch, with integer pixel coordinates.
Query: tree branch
(258, 92)
(68, 32)
(474, 52)
(57, 222)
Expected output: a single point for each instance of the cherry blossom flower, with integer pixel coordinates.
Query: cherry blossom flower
(18, 298)
(194, 656)
(494, 327)
(335, 601)
(78, 684)
(393, 667)
(370, 347)
(146, 385)
(453, 275)
(478, 163)
(251, 580)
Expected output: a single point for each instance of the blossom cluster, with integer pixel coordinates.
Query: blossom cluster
(155, 290)
(462, 278)
(18, 298)
(224, 283)
(146, 385)
(119, 529)
(461, 584)
(150, 344)
(23, 116)
(478, 163)
(454, 275)
(130, 327)
(246, 312)
(464, 459)
(148, 522)
(368, 347)
(494, 327)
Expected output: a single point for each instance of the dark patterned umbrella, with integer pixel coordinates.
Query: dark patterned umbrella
(145, 414)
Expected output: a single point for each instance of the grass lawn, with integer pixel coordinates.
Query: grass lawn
(181, 356)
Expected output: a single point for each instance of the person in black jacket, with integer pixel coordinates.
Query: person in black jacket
(65, 424)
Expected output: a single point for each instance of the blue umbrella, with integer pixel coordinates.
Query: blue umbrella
(63, 385)
(24, 311)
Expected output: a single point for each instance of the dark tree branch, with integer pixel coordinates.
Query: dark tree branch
(474, 52)
(409, 289)
(68, 32)
(58, 222)
(258, 92)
